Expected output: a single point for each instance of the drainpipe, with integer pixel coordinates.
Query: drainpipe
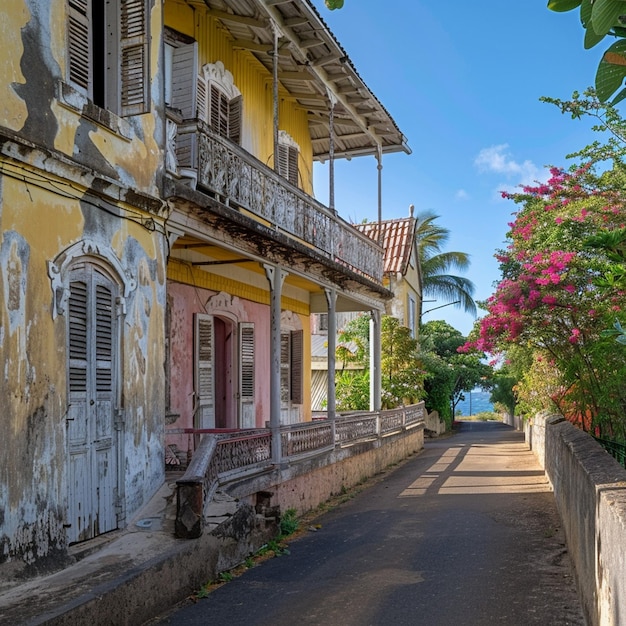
(375, 361)
(276, 277)
(277, 34)
(331, 298)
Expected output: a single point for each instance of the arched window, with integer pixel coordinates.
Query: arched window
(219, 101)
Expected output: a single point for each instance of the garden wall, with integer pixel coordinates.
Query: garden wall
(590, 492)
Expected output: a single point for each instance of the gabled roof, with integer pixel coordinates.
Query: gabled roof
(398, 239)
(312, 63)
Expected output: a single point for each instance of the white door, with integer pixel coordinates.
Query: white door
(204, 382)
(91, 435)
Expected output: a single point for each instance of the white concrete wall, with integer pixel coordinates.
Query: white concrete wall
(590, 493)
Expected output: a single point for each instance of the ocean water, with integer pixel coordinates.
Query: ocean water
(475, 402)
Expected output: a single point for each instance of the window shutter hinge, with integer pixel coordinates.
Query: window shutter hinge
(120, 418)
(120, 306)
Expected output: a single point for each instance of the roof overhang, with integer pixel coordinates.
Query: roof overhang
(314, 70)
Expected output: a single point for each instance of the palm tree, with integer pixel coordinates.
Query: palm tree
(435, 265)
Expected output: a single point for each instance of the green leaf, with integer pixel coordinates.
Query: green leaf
(563, 5)
(591, 38)
(618, 327)
(585, 13)
(619, 97)
(605, 14)
(611, 71)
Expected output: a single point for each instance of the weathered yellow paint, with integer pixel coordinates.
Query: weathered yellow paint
(183, 272)
(22, 202)
(254, 82)
(64, 140)
(13, 110)
(139, 158)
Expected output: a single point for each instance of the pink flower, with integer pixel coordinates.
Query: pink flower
(575, 336)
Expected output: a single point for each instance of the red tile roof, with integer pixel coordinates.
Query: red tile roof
(398, 240)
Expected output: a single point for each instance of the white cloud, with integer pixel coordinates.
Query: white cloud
(461, 194)
(498, 160)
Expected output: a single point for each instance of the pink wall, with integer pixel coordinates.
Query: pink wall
(183, 302)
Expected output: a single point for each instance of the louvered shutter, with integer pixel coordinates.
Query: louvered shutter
(79, 44)
(292, 157)
(77, 340)
(296, 366)
(202, 105)
(91, 436)
(104, 340)
(285, 377)
(246, 375)
(134, 61)
(185, 80)
(234, 119)
(214, 108)
(288, 163)
(283, 160)
(204, 374)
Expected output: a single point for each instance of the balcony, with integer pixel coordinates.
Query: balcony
(224, 170)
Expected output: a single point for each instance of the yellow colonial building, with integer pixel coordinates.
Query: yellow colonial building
(161, 250)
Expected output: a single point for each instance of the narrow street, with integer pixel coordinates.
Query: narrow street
(465, 533)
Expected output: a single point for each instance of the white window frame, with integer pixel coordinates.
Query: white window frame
(110, 65)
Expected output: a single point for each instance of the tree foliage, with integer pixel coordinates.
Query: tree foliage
(561, 287)
(602, 18)
(435, 264)
(402, 376)
(450, 373)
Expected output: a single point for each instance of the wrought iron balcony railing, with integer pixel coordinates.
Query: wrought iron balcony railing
(240, 180)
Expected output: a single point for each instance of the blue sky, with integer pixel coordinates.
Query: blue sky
(463, 81)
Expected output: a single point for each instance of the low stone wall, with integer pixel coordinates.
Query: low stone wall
(590, 492)
(434, 424)
(308, 483)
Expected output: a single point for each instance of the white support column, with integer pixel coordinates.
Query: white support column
(379, 159)
(331, 298)
(331, 151)
(375, 361)
(276, 277)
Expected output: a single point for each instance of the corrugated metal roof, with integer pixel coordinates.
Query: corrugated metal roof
(311, 62)
(398, 238)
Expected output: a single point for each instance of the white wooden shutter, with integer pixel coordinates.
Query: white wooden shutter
(234, 119)
(77, 341)
(296, 367)
(134, 56)
(79, 44)
(292, 157)
(285, 362)
(185, 80)
(288, 163)
(247, 409)
(202, 106)
(204, 371)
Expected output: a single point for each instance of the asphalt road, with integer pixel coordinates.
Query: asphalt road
(465, 533)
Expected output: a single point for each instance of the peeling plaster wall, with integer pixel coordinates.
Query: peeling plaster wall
(66, 179)
(33, 472)
(184, 301)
